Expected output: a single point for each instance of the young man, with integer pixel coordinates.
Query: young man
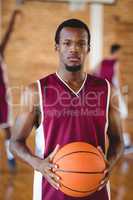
(67, 106)
(5, 112)
(109, 69)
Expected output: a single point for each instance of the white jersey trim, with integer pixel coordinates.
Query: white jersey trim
(76, 93)
(107, 109)
(37, 186)
(39, 151)
(105, 130)
(108, 190)
(40, 102)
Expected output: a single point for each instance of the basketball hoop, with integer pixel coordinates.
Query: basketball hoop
(76, 5)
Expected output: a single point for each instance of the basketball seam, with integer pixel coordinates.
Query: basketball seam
(93, 190)
(76, 152)
(79, 172)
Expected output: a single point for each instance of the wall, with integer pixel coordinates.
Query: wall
(30, 52)
(118, 27)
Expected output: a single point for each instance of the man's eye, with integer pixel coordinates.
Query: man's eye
(82, 44)
(66, 43)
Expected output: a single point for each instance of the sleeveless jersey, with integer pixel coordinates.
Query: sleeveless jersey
(107, 70)
(69, 116)
(4, 108)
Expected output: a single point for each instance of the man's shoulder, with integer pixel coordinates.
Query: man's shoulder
(34, 86)
(47, 77)
(98, 84)
(96, 80)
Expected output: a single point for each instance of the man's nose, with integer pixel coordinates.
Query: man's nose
(74, 47)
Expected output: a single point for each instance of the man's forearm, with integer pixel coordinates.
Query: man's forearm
(115, 152)
(22, 151)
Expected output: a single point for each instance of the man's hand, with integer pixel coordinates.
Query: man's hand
(107, 171)
(47, 169)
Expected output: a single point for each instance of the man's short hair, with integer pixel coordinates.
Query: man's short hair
(74, 23)
(114, 48)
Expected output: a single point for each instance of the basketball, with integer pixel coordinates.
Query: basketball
(80, 168)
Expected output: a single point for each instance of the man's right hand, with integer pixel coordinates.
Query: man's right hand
(47, 169)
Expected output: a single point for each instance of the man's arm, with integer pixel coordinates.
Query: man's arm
(116, 79)
(22, 129)
(115, 137)
(116, 146)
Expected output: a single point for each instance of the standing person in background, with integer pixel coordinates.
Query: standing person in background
(5, 120)
(5, 112)
(109, 69)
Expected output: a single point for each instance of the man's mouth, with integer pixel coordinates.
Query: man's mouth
(74, 58)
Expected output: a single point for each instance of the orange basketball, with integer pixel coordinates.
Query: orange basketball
(80, 167)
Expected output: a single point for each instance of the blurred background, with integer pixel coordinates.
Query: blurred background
(30, 55)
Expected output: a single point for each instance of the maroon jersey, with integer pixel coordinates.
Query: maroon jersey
(107, 69)
(4, 108)
(69, 116)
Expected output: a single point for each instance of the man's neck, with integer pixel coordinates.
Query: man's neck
(71, 76)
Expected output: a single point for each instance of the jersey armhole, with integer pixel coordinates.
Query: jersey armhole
(40, 104)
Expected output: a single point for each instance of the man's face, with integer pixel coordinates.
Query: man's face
(72, 48)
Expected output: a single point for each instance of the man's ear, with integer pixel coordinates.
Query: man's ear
(88, 48)
(56, 47)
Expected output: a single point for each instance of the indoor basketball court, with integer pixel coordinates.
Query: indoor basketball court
(27, 31)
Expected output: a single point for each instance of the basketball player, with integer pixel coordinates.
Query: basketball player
(109, 69)
(5, 112)
(69, 105)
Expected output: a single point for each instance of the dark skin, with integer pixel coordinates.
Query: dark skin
(72, 50)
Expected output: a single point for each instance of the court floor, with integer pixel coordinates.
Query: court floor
(19, 186)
